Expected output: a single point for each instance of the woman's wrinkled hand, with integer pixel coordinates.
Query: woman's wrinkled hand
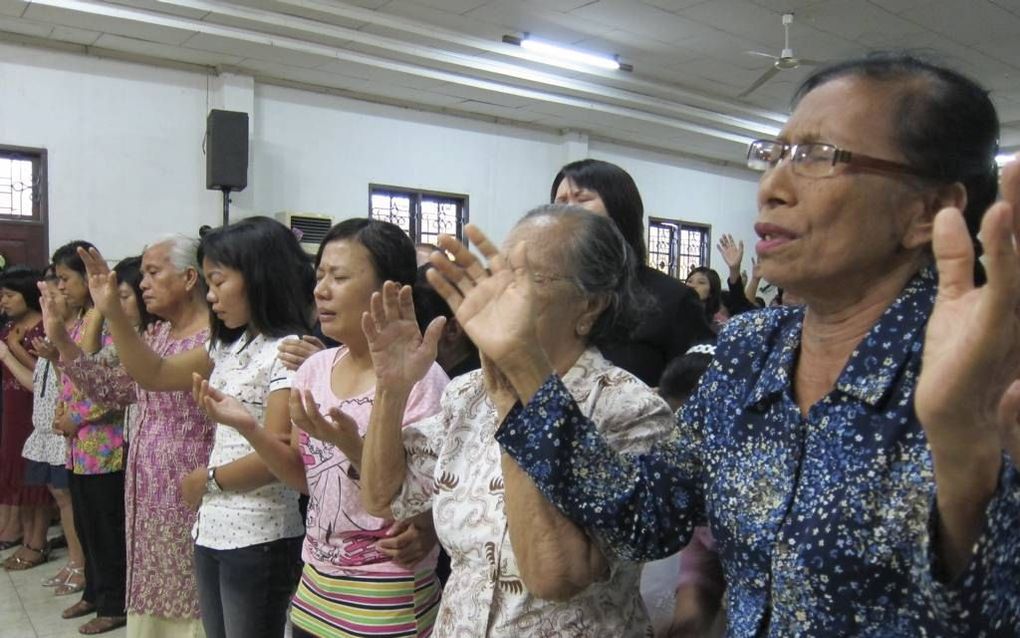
(496, 304)
(401, 355)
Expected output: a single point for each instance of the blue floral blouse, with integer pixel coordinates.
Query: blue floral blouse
(824, 523)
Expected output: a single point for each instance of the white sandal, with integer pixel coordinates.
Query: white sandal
(60, 577)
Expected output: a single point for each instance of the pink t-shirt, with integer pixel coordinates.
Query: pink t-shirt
(340, 536)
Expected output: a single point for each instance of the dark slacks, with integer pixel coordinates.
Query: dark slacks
(97, 501)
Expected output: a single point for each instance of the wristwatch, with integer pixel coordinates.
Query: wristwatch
(211, 486)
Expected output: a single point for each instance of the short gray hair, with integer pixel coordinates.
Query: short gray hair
(601, 263)
(183, 251)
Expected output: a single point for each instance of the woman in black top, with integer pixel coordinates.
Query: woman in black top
(674, 317)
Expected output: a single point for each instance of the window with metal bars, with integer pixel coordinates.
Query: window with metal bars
(22, 184)
(677, 247)
(423, 215)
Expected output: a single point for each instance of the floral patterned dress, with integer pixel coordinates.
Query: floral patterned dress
(170, 437)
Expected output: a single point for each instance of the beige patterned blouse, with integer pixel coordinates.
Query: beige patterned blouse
(454, 468)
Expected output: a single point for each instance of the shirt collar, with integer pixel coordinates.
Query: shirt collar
(874, 365)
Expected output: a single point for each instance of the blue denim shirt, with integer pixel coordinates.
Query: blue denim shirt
(824, 523)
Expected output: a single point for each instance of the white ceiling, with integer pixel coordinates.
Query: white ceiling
(689, 56)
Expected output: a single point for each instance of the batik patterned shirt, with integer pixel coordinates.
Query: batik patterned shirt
(454, 467)
(824, 522)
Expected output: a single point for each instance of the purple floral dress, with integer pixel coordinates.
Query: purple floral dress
(170, 438)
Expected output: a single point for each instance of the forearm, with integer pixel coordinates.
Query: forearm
(66, 347)
(140, 361)
(738, 296)
(527, 370)
(751, 291)
(964, 485)
(383, 461)
(244, 475)
(649, 503)
(282, 460)
(101, 381)
(18, 370)
(556, 558)
(21, 355)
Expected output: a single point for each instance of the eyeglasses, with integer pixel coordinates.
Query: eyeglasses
(816, 159)
(541, 279)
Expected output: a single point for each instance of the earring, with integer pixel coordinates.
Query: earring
(583, 329)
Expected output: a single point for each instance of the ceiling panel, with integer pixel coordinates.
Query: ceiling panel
(162, 7)
(74, 36)
(118, 26)
(164, 51)
(686, 51)
(968, 21)
(265, 52)
(25, 27)
(12, 7)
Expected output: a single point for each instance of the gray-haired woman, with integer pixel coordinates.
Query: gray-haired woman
(518, 567)
(848, 453)
(171, 437)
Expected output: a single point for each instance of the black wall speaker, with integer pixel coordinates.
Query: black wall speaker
(226, 150)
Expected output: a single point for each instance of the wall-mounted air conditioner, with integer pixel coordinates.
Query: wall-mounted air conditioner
(309, 227)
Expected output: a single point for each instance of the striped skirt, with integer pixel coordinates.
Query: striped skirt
(369, 606)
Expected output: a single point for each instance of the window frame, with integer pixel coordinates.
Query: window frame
(40, 203)
(416, 195)
(678, 226)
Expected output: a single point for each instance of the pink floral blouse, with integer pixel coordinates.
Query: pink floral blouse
(98, 446)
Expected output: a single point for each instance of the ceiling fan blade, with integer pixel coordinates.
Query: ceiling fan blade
(765, 77)
(764, 55)
(805, 62)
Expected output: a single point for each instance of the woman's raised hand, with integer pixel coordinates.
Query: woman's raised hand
(339, 429)
(102, 281)
(400, 353)
(732, 252)
(53, 321)
(494, 305)
(220, 407)
(968, 394)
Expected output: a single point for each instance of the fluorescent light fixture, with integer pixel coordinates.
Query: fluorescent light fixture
(558, 54)
(1004, 158)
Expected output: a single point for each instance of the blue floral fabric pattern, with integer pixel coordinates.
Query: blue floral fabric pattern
(824, 523)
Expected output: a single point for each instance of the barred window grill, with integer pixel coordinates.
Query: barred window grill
(423, 215)
(676, 247)
(19, 177)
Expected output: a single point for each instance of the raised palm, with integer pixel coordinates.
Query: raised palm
(401, 355)
(221, 407)
(494, 305)
(732, 251)
(339, 429)
(52, 312)
(102, 281)
(968, 395)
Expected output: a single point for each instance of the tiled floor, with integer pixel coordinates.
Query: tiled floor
(28, 610)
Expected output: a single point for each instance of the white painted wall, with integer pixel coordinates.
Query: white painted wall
(124, 145)
(126, 165)
(318, 153)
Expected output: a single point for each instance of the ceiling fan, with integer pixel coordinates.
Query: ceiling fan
(785, 61)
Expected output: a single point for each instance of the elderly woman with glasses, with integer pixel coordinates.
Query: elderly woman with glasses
(848, 454)
(518, 567)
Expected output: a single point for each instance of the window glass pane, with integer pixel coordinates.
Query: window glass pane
(438, 216)
(16, 187)
(693, 248)
(662, 247)
(392, 207)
